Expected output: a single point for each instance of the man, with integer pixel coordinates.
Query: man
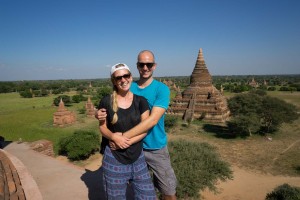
(155, 143)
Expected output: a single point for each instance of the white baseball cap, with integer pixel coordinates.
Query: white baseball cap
(118, 66)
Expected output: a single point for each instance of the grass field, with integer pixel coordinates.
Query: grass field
(31, 119)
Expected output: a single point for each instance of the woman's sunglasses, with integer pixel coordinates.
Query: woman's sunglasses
(126, 76)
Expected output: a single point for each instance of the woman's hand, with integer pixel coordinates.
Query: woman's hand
(119, 141)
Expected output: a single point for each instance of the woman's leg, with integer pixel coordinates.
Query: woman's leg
(116, 176)
(142, 182)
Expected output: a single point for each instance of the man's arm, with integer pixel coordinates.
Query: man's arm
(144, 126)
(118, 139)
(138, 138)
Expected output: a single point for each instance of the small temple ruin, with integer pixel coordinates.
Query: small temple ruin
(200, 100)
(62, 116)
(253, 83)
(90, 109)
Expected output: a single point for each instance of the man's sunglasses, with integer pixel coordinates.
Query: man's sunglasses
(126, 76)
(141, 65)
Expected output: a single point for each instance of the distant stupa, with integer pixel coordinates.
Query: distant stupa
(90, 110)
(62, 116)
(200, 100)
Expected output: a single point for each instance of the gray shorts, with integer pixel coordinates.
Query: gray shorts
(159, 163)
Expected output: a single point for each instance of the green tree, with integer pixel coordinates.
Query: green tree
(81, 88)
(240, 88)
(244, 125)
(296, 85)
(65, 98)
(26, 94)
(293, 89)
(101, 92)
(271, 88)
(243, 104)
(78, 98)
(283, 88)
(57, 91)
(6, 87)
(44, 92)
(275, 112)
(252, 112)
(259, 92)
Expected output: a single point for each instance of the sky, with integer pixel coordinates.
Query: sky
(82, 39)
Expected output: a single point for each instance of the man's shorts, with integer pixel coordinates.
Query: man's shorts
(163, 174)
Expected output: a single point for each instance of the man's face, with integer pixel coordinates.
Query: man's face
(146, 65)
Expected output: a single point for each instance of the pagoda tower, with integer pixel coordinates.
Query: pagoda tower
(62, 116)
(200, 100)
(90, 111)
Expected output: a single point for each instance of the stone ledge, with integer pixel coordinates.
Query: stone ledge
(15, 180)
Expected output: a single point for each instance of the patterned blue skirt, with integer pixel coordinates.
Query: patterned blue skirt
(117, 176)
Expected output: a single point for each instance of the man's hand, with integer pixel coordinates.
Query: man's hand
(101, 114)
(119, 141)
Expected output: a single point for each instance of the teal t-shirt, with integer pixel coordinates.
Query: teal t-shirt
(157, 95)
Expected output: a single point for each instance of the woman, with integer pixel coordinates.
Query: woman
(127, 163)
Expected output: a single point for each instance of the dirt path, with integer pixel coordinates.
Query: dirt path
(249, 186)
(246, 185)
(289, 147)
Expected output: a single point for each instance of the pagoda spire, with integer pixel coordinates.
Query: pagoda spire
(200, 75)
(61, 106)
(200, 55)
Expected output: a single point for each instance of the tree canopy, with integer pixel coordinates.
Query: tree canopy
(256, 112)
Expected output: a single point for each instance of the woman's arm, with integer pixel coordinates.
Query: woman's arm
(119, 140)
(134, 139)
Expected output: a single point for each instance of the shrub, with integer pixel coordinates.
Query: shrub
(271, 88)
(26, 94)
(56, 91)
(284, 88)
(296, 85)
(259, 92)
(82, 110)
(293, 89)
(65, 98)
(197, 166)
(80, 145)
(170, 121)
(78, 98)
(283, 192)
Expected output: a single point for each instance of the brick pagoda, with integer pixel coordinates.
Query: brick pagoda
(90, 109)
(200, 100)
(62, 116)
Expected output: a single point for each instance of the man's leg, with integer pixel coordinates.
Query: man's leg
(163, 173)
